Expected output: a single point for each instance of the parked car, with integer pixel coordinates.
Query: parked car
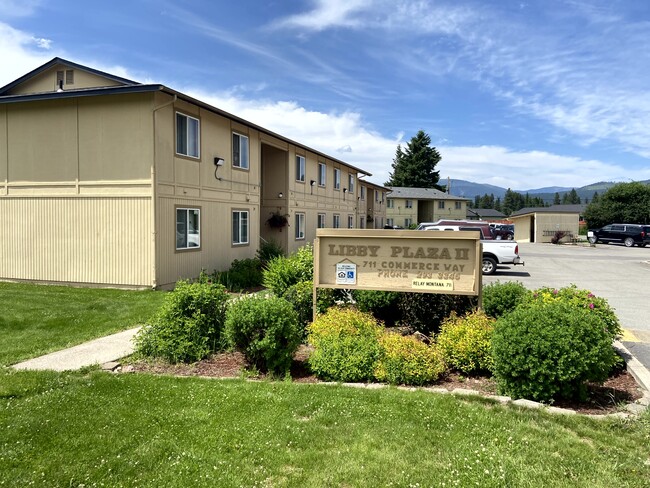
(494, 253)
(486, 230)
(504, 231)
(628, 234)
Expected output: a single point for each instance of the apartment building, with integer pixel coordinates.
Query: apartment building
(107, 181)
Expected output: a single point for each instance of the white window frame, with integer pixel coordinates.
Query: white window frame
(188, 119)
(362, 222)
(237, 234)
(459, 205)
(337, 179)
(322, 174)
(336, 221)
(408, 204)
(238, 161)
(301, 168)
(320, 224)
(389, 221)
(407, 222)
(351, 183)
(300, 226)
(363, 192)
(186, 231)
(441, 204)
(390, 203)
(350, 221)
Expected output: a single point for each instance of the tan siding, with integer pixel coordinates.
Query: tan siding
(77, 240)
(216, 252)
(3, 149)
(42, 142)
(115, 137)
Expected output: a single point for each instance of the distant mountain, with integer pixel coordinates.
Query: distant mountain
(548, 189)
(468, 189)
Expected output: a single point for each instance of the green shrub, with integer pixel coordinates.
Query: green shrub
(346, 345)
(425, 312)
(265, 330)
(501, 298)
(301, 298)
(188, 326)
(243, 274)
(549, 350)
(269, 250)
(582, 299)
(465, 342)
(406, 360)
(381, 304)
(281, 272)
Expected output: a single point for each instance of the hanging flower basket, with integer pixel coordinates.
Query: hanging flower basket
(277, 220)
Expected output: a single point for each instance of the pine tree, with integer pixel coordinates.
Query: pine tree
(414, 167)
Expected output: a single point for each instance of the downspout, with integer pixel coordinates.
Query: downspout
(154, 195)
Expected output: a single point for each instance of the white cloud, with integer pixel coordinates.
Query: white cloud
(20, 52)
(348, 137)
(327, 14)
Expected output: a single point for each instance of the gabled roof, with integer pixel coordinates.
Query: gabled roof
(374, 185)
(129, 86)
(576, 208)
(54, 62)
(485, 213)
(421, 194)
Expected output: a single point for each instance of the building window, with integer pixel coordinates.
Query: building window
(300, 168)
(300, 225)
(362, 222)
(239, 151)
(407, 222)
(337, 179)
(336, 222)
(240, 227)
(188, 228)
(409, 203)
(383, 197)
(69, 77)
(351, 183)
(441, 204)
(459, 205)
(321, 221)
(363, 193)
(376, 196)
(187, 135)
(322, 175)
(390, 203)
(350, 221)
(389, 222)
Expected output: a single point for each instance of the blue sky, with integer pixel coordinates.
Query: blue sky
(519, 94)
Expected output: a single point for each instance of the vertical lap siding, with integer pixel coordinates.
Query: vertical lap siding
(77, 240)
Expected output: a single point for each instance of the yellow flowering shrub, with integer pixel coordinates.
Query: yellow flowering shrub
(346, 345)
(465, 342)
(405, 360)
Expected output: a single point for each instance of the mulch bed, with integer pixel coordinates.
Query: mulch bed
(619, 389)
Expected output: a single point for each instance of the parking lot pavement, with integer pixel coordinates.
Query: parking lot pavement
(615, 272)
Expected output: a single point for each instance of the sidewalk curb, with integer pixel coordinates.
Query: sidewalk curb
(634, 366)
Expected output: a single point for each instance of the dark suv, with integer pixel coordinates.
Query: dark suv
(628, 234)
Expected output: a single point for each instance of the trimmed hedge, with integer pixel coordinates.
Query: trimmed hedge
(265, 330)
(346, 345)
(406, 360)
(465, 342)
(188, 326)
(549, 350)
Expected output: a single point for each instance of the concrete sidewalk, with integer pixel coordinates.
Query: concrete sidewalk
(98, 351)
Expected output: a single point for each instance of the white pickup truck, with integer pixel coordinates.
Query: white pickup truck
(495, 252)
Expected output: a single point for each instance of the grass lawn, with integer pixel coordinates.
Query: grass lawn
(97, 429)
(37, 319)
